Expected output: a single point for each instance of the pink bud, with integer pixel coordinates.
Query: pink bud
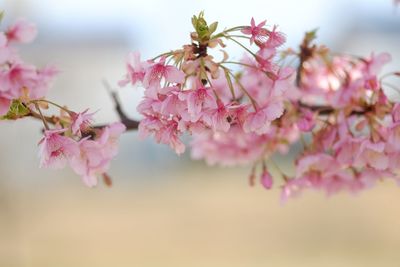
(266, 180)
(306, 122)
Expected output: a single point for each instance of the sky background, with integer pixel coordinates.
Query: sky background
(165, 210)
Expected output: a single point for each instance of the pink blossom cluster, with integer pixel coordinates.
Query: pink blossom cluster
(357, 142)
(349, 129)
(235, 112)
(72, 138)
(20, 80)
(89, 156)
(202, 97)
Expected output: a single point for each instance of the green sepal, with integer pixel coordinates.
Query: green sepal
(17, 110)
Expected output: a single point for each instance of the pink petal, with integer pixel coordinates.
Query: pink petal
(173, 75)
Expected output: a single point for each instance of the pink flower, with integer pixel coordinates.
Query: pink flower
(217, 118)
(266, 179)
(22, 32)
(16, 78)
(135, 70)
(149, 125)
(23, 79)
(265, 57)
(393, 142)
(396, 112)
(169, 135)
(165, 132)
(44, 79)
(275, 38)
(293, 188)
(94, 156)
(375, 63)
(171, 104)
(372, 68)
(323, 172)
(257, 122)
(196, 100)
(156, 71)
(5, 104)
(320, 163)
(260, 121)
(257, 32)
(372, 154)
(227, 148)
(81, 121)
(347, 149)
(3, 40)
(56, 150)
(306, 121)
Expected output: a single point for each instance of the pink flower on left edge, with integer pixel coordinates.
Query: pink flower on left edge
(22, 32)
(56, 150)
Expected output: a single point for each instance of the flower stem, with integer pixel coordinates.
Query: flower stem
(46, 126)
(240, 44)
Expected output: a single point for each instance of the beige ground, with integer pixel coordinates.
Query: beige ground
(208, 217)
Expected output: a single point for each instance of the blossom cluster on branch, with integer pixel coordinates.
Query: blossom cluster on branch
(334, 104)
(235, 112)
(69, 137)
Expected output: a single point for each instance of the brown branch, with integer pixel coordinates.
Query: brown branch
(327, 110)
(124, 119)
(306, 52)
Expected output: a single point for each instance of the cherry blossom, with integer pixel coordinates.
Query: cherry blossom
(232, 111)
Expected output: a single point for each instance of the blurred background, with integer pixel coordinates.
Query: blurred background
(165, 210)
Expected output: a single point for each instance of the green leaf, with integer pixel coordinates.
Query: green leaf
(17, 110)
(194, 21)
(213, 27)
(311, 35)
(1, 15)
(201, 27)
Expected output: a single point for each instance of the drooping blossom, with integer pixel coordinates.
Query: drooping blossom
(55, 149)
(94, 156)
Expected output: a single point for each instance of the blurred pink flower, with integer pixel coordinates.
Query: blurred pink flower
(21, 31)
(135, 70)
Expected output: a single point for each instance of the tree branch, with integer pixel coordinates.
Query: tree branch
(129, 123)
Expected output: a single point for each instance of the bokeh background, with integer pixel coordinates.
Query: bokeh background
(165, 210)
